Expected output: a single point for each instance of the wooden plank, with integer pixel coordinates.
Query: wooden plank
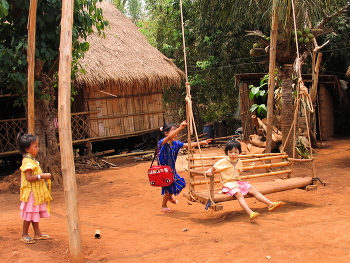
(128, 154)
(247, 176)
(243, 157)
(93, 154)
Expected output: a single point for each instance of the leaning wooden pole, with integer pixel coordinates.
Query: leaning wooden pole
(272, 66)
(65, 134)
(31, 65)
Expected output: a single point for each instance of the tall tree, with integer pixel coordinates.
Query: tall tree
(13, 61)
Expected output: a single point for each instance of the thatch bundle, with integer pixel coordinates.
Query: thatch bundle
(125, 57)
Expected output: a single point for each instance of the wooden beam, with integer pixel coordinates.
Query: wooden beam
(127, 154)
(31, 65)
(93, 154)
(65, 134)
(272, 67)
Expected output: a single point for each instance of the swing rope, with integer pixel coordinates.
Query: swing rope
(191, 127)
(303, 96)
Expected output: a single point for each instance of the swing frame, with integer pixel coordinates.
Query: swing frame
(210, 196)
(276, 165)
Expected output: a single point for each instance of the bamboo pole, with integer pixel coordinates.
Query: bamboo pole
(272, 66)
(65, 134)
(261, 156)
(243, 177)
(31, 64)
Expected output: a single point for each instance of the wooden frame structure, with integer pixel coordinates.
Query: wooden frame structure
(204, 188)
(317, 126)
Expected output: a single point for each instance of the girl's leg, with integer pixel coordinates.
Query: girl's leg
(243, 203)
(260, 197)
(25, 228)
(37, 232)
(166, 198)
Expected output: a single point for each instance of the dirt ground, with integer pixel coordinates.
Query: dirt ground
(312, 226)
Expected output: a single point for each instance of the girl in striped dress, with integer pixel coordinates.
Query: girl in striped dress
(34, 191)
(168, 149)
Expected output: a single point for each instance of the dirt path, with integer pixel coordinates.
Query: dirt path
(311, 227)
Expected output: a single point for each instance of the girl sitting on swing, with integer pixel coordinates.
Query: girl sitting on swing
(230, 167)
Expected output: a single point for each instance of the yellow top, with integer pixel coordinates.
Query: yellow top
(229, 171)
(40, 190)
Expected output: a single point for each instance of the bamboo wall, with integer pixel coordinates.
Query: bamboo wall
(245, 104)
(116, 111)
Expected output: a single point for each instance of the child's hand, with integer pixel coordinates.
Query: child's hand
(183, 124)
(46, 176)
(207, 141)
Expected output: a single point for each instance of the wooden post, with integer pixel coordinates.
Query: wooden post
(31, 65)
(65, 134)
(272, 66)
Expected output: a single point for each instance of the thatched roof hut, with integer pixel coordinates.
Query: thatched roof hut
(121, 93)
(125, 57)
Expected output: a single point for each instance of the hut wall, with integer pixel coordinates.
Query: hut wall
(115, 111)
(245, 104)
(326, 113)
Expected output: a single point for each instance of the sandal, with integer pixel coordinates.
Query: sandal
(275, 205)
(27, 240)
(43, 237)
(166, 210)
(174, 201)
(253, 215)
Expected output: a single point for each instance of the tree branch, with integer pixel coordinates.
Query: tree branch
(330, 17)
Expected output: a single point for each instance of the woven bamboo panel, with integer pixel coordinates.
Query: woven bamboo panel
(124, 111)
(8, 133)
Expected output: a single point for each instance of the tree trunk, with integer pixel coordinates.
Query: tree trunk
(49, 155)
(287, 108)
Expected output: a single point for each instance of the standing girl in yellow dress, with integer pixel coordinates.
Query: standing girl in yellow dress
(34, 192)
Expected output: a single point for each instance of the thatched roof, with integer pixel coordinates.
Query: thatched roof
(125, 57)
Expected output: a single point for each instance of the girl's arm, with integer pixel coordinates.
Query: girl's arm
(210, 171)
(195, 144)
(33, 178)
(173, 133)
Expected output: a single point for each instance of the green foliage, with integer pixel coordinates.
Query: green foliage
(302, 150)
(215, 52)
(217, 47)
(261, 109)
(14, 37)
(259, 92)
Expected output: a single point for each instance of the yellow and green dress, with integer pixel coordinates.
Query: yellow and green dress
(34, 195)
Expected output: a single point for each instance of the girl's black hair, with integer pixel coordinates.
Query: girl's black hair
(24, 140)
(166, 127)
(233, 144)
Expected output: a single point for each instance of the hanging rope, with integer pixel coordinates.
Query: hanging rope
(302, 95)
(189, 114)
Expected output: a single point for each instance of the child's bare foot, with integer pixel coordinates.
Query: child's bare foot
(174, 201)
(43, 237)
(166, 210)
(27, 240)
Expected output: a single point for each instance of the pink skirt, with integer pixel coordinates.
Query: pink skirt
(31, 212)
(243, 187)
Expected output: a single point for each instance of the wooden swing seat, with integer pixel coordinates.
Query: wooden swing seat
(255, 166)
